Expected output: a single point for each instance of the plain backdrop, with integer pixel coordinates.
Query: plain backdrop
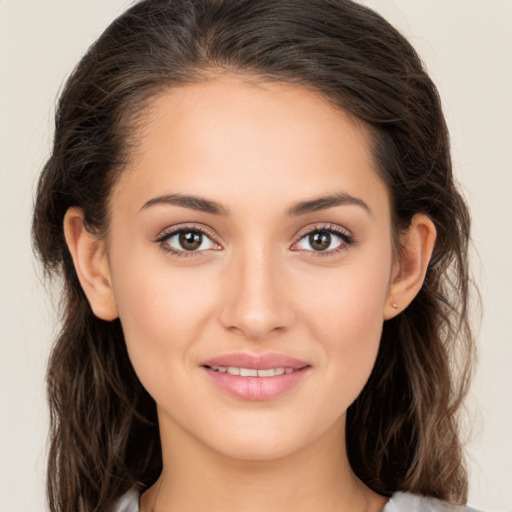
(467, 47)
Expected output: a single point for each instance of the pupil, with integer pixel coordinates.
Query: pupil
(320, 240)
(190, 240)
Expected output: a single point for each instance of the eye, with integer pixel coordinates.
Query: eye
(187, 240)
(324, 240)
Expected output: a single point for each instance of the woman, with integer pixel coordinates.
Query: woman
(264, 261)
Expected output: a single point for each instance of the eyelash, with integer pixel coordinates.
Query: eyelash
(182, 229)
(347, 239)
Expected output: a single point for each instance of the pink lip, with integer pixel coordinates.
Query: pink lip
(258, 362)
(256, 388)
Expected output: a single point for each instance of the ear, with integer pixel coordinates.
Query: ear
(416, 247)
(91, 264)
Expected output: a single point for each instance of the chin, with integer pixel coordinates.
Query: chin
(260, 450)
(266, 443)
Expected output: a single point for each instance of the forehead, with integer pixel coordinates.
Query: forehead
(227, 137)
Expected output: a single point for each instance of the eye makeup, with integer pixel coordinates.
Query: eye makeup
(192, 240)
(322, 237)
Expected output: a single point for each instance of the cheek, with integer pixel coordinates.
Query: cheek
(350, 299)
(346, 317)
(162, 311)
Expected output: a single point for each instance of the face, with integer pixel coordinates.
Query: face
(250, 234)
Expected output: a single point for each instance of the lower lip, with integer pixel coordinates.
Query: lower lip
(256, 388)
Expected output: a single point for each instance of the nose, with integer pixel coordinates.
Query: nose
(257, 299)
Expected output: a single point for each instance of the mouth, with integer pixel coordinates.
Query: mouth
(260, 377)
(252, 372)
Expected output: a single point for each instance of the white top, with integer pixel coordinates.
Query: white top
(399, 502)
(405, 502)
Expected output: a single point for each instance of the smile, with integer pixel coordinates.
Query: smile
(256, 377)
(251, 372)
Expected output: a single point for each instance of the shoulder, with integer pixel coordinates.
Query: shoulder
(405, 502)
(129, 502)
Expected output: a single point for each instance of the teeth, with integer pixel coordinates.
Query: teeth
(251, 372)
(246, 372)
(266, 373)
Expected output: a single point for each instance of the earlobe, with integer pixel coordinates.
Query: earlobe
(417, 245)
(91, 264)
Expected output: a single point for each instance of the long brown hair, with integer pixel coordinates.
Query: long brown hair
(402, 431)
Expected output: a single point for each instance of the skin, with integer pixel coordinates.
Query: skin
(256, 285)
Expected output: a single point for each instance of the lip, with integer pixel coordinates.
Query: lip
(256, 388)
(257, 361)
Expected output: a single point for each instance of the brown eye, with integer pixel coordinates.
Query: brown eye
(324, 240)
(187, 241)
(190, 240)
(320, 240)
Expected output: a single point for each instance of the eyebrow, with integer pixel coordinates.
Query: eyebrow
(208, 206)
(325, 202)
(193, 202)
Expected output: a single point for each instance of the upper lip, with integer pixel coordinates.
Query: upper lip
(257, 362)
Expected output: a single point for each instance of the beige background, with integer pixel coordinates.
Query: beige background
(467, 46)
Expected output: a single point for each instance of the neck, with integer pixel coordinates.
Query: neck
(318, 477)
